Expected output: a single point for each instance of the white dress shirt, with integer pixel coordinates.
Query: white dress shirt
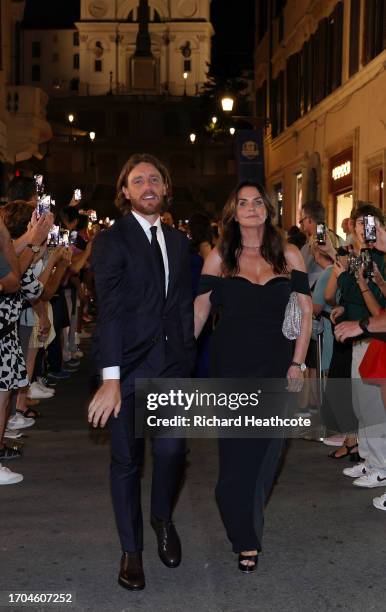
(113, 372)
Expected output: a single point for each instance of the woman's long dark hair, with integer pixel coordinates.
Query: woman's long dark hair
(230, 247)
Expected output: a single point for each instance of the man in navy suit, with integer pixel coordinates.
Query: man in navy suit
(144, 329)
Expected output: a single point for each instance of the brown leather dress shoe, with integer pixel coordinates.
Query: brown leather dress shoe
(169, 545)
(131, 575)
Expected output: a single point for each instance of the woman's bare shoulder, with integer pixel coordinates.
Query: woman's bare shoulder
(213, 263)
(294, 258)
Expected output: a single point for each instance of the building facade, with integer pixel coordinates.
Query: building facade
(93, 57)
(321, 84)
(23, 124)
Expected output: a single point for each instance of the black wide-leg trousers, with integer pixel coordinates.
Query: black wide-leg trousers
(247, 470)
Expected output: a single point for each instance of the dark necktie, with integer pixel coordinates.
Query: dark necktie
(157, 254)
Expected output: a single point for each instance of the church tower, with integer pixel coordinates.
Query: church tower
(179, 32)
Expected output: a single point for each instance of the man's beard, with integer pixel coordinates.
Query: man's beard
(148, 207)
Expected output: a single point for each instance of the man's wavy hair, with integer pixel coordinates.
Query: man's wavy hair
(367, 208)
(272, 248)
(121, 202)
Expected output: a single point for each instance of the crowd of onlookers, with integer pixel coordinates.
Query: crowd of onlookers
(347, 282)
(47, 297)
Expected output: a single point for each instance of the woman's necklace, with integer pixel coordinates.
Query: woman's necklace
(247, 246)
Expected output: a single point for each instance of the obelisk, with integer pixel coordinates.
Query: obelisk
(143, 63)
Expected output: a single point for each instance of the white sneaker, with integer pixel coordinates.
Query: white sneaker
(380, 502)
(7, 477)
(334, 441)
(371, 479)
(18, 421)
(12, 434)
(356, 471)
(36, 392)
(43, 387)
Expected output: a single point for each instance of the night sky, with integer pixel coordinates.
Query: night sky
(232, 45)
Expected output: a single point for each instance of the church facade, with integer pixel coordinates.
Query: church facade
(94, 57)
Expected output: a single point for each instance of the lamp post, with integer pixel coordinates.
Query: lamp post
(192, 138)
(185, 75)
(92, 136)
(232, 131)
(71, 118)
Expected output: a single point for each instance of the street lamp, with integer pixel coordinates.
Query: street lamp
(192, 138)
(227, 104)
(71, 118)
(185, 75)
(232, 131)
(92, 161)
(214, 120)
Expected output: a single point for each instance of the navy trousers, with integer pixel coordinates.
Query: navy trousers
(126, 463)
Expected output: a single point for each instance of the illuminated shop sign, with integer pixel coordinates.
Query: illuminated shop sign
(342, 170)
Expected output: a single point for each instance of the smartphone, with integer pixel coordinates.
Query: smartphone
(39, 184)
(64, 238)
(53, 236)
(77, 194)
(367, 261)
(73, 236)
(370, 230)
(321, 233)
(43, 205)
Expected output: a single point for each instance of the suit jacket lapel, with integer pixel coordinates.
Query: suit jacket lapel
(135, 236)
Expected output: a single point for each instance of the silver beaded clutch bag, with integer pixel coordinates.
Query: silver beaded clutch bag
(292, 318)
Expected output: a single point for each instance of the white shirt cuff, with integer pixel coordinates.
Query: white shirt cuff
(112, 373)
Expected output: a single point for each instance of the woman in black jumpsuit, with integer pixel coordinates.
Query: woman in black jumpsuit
(248, 342)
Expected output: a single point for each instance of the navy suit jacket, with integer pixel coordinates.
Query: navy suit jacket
(137, 329)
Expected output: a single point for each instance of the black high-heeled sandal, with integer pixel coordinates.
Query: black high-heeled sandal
(353, 456)
(247, 569)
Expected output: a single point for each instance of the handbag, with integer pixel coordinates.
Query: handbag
(373, 364)
(292, 318)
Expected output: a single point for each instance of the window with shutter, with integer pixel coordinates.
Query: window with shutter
(375, 29)
(355, 14)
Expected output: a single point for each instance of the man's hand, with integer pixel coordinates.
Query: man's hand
(347, 329)
(106, 400)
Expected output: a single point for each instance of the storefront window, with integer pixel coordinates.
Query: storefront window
(376, 186)
(343, 207)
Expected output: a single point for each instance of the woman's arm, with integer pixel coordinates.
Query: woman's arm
(205, 250)
(295, 261)
(370, 300)
(202, 306)
(332, 284)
